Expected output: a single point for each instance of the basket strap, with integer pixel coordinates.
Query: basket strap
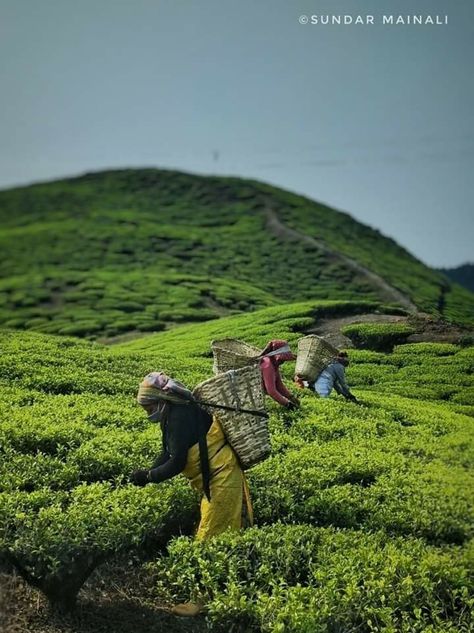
(260, 414)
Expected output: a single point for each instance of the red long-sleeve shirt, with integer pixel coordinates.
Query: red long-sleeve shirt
(273, 383)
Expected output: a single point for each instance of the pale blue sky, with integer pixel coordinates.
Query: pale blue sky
(375, 120)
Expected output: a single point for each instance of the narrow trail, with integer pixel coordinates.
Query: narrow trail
(276, 226)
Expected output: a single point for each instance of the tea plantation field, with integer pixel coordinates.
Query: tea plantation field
(364, 513)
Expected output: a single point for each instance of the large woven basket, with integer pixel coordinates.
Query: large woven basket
(247, 434)
(230, 353)
(314, 354)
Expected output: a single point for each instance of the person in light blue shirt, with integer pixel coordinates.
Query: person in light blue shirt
(332, 377)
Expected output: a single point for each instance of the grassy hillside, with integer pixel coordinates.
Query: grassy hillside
(364, 512)
(138, 250)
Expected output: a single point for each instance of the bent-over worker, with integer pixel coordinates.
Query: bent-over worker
(332, 377)
(194, 445)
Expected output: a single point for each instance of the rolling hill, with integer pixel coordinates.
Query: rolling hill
(132, 251)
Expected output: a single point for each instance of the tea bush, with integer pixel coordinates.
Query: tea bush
(412, 350)
(308, 580)
(56, 539)
(378, 336)
(382, 485)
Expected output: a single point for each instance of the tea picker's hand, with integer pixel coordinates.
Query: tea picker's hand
(291, 406)
(296, 401)
(140, 477)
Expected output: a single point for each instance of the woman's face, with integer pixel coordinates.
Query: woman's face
(153, 411)
(150, 408)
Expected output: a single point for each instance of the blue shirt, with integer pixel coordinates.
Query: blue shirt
(333, 376)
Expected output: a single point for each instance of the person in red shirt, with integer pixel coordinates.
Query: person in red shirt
(275, 353)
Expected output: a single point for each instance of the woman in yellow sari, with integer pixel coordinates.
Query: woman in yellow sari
(195, 446)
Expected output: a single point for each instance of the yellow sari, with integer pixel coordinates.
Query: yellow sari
(229, 488)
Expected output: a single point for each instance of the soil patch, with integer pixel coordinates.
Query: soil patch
(116, 599)
(427, 328)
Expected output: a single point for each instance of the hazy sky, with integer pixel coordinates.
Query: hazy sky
(374, 120)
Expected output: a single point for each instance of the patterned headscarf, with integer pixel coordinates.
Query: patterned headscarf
(158, 386)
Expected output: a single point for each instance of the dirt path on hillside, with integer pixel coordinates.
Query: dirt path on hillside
(387, 291)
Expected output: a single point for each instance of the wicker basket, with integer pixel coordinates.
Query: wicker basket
(247, 434)
(314, 354)
(230, 353)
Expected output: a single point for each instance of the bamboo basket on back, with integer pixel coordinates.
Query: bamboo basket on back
(230, 353)
(314, 354)
(248, 434)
